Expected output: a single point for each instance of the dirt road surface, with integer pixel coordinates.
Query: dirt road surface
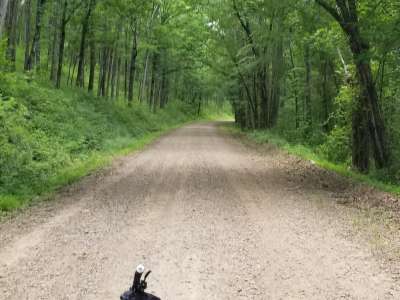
(211, 217)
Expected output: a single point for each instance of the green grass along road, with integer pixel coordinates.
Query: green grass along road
(50, 138)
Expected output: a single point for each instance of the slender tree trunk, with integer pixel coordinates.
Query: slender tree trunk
(28, 12)
(61, 44)
(326, 98)
(164, 79)
(103, 72)
(144, 81)
(92, 63)
(70, 68)
(80, 78)
(12, 19)
(265, 100)
(3, 12)
(296, 97)
(276, 78)
(153, 85)
(34, 56)
(126, 78)
(114, 76)
(118, 77)
(75, 61)
(109, 71)
(54, 43)
(132, 67)
(307, 87)
(101, 63)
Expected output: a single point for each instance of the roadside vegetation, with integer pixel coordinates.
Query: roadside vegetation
(320, 78)
(84, 81)
(91, 76)
(50, 138)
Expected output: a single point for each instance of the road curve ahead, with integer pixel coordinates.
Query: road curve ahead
(212, 218)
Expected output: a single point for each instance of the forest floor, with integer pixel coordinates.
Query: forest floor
(214, 218)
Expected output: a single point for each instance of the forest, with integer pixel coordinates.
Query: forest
(80, 77)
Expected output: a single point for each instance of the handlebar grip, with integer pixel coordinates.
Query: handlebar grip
(138, 276)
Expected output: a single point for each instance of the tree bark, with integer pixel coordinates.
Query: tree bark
(132, 66)
(34, 56)
(296, 93)
(276, 78)
(92, 64)
(54, 49)
(80, 78)
(3, 12)
(307, 87)
(368, 99)
(63, 26)
(11, 21)
(103, 72)
(28, 8)
(153, 85)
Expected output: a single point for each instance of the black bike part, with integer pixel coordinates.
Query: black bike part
(136, 282)
(131, 295)
(136, 292)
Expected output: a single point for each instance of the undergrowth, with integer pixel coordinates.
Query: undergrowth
(50, 138)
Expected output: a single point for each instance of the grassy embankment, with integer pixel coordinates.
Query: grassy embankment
(50, 138)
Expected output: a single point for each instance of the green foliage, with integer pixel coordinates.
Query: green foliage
(216, 111)
(337, 146)
(49, 138)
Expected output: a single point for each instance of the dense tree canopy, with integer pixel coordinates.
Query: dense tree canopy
(323, 72)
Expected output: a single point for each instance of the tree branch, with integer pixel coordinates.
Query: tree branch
(332, 11)
(246, 28)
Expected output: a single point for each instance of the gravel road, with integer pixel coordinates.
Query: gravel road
(212, 218)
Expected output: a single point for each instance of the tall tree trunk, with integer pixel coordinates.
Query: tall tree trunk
(34, 56)
(118, 83)
(75, 61)
(3, 12)
(307, 87)
(326, 97)
(81, 58)
(54, 49)
(92, 63)
(11, 21)
(132, 67)
(276, 78)
(114, 76)
(265, 100)
(126, 63)
(345, 13)
(28, 12)
(110, 63)
(63, 26)
(164, 79)
(103, 71)
(144, 81)
(70, 68)
(296, 97)
(153, 85)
